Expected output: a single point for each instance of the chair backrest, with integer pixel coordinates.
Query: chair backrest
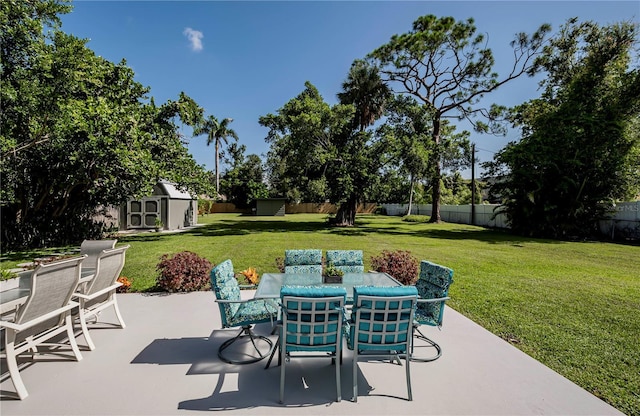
(225, 286)
(382, 318)
(52, 285)
(349, 261)
(433, 283)
(93, 248)
(108, 268)
(308, 261)
(312, 318)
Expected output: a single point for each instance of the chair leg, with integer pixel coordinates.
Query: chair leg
(72, 337)
(419, 335)
(407, 359)
(244, 332)
(273, 353)
(338, 387)
(355, 375)
(283, 364)
(14, 371)
(118, 315)
(85, 329)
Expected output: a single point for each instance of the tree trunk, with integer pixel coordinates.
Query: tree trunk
(437, 172)
(217, 171)
(346, 215)
(411, 195)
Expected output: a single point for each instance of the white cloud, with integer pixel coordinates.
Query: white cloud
(195, 38)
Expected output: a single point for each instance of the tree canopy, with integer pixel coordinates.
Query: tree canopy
(448, 68)
(580, 145)
(78, 132)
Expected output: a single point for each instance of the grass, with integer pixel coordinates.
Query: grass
(574, 306)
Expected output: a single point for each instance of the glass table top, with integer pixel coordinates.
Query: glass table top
(270, 283)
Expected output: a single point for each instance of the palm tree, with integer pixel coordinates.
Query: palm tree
(216, 131)
(366, 91)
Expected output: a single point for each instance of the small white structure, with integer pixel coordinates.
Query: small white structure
(175, 209)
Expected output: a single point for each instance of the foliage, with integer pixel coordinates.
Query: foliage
(580, 143)
(280, 264)
(321, 152)
(126, 285)
(332, 271)
(78, 133)
(448, 68)
(243, 183)
(415, 218)
(184, 272)
(217, 132)
(400, 264)
(251, 275)
(6, 274)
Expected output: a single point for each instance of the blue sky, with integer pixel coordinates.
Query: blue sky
(245, 59)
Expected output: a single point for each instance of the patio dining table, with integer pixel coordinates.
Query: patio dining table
(271, 283)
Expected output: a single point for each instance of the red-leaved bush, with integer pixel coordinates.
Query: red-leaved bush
(184, 272)
(399, 264)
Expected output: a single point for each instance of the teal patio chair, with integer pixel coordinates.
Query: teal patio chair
(303, 261)
(349, 261)
(311, 323)
(433, 289)
(381, 327)
(237, 312)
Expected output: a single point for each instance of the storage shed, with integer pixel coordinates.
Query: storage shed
(174, 208)
(271, 206)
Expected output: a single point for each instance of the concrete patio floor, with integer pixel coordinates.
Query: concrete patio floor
(165, 362)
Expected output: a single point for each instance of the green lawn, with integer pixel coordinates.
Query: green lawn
(573, 306)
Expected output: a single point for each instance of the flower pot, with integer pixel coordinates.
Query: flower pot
(331, 279)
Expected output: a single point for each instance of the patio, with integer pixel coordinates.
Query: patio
(165, 363)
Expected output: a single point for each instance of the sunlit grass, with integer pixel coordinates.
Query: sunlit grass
(574, 306)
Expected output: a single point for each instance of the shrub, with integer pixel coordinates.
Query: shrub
(184, 272)
(400, 264)
(126, 285)
(280, 264)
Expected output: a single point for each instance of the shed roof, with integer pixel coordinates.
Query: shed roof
(173, 192)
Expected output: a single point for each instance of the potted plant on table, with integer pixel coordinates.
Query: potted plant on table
(332, 274)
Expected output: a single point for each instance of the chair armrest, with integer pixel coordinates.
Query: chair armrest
(236, 301)
(248, 286)
(35, 321)
(99, 293)
(434, 300)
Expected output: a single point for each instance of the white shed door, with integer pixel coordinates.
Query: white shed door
(143, 214)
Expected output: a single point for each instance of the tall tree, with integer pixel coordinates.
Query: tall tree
(446, 66)
(217, 132)
(365, 90)
(243, 183)
(580, 144)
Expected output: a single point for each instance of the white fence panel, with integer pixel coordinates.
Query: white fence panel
(624, 222)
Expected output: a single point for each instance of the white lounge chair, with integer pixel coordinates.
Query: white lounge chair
(100, 292)
(45, 314)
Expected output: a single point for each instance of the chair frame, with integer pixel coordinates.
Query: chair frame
(313, 313)
(366, 314)
(418, 334)
(245, 331)
(106, 281)
(245, 327)
(46, 323)
(93, 249)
